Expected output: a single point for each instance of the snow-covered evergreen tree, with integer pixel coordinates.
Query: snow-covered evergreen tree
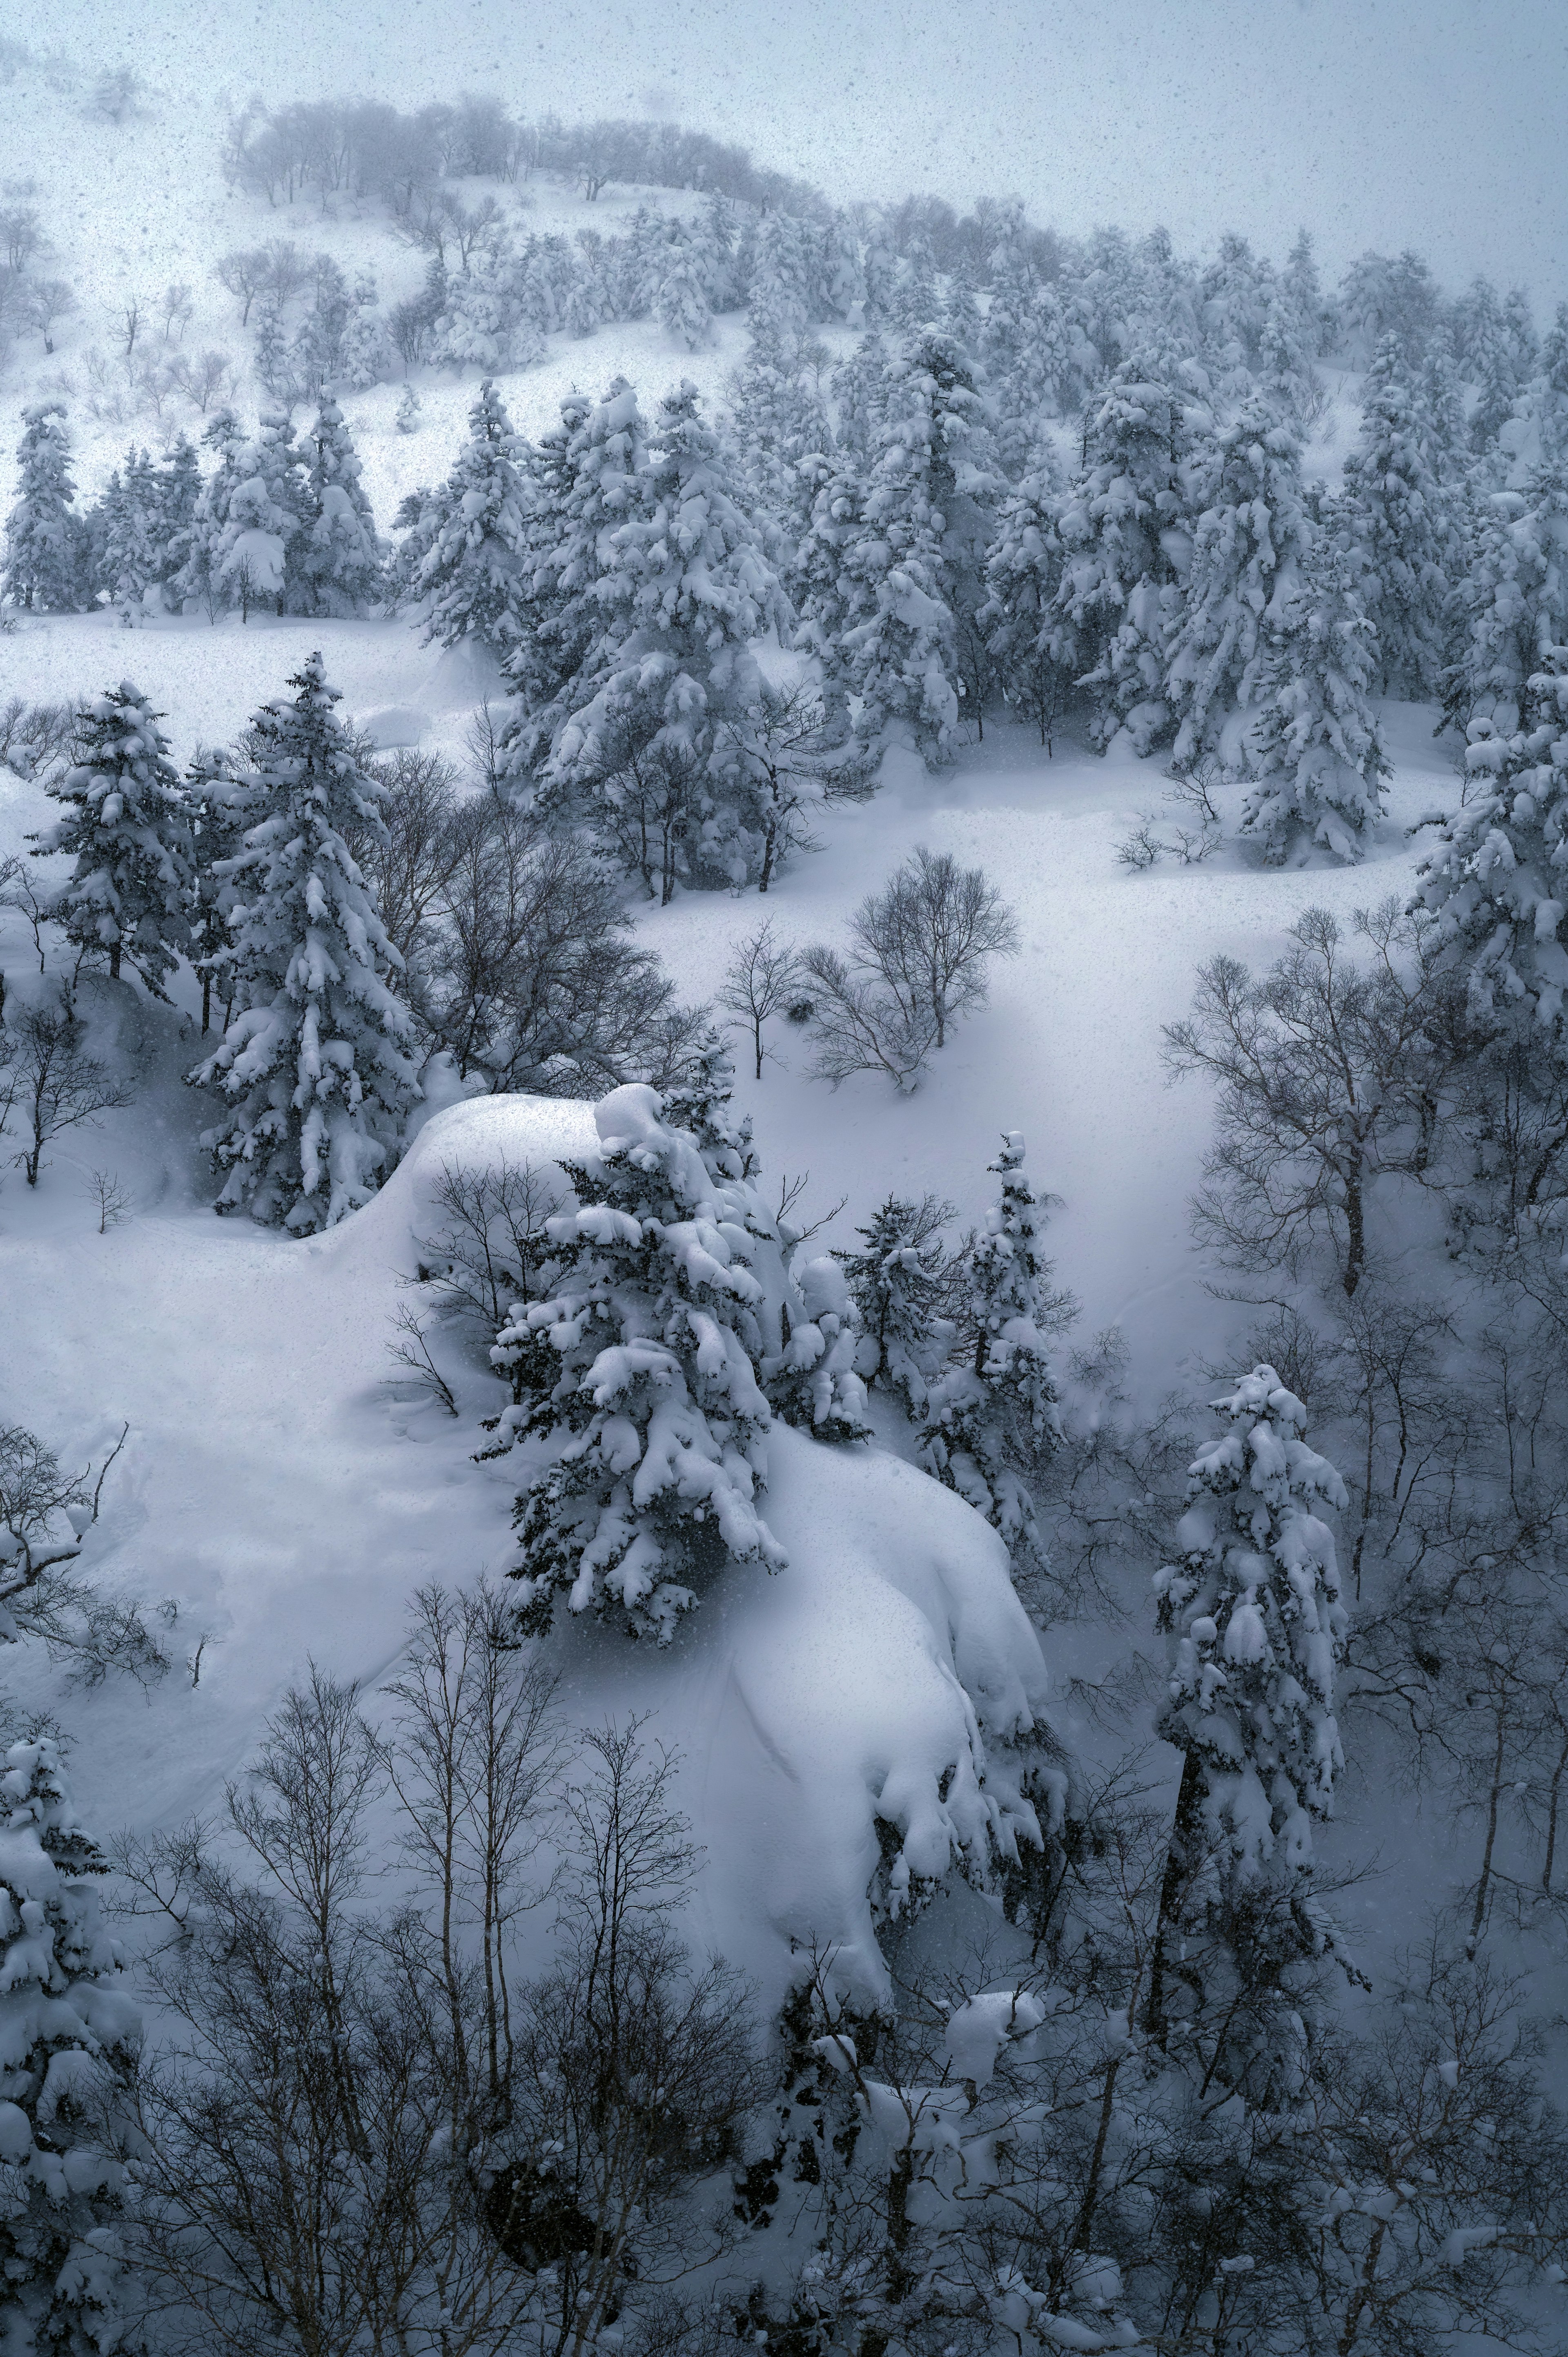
(680, 294)
(315, 1064)
(993, 1416)
(1394, 529)
(657, 1331)
(1495, 878)
(133, 546)
(1119, 579)
(219, 806)
(43, 531)
(1251, 1607)
(178, 490)
(341, 559)
(126, 827)
(1510, 608)
(899, 1283)
(1313, 746)
(1246, 558)
(468, 583)
(69, 2030)
(1032, 644)
(683, 587)
(779, 418)
(911, 557)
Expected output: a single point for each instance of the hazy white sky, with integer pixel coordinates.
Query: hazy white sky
(1437, 124)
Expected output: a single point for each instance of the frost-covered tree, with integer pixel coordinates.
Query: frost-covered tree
(900, 1282)
(1313, 746)
(179, 490)
(1033, 647)
(69, 2030)
(43, 531)
(341, 560)
(992, 1417)
(135, 536)
(859, 387)
(126, 827)
(1394, 529)
(682, 587)
(912, 557)
(1251, 1611)
(220, 805)
(244, 535)
(1495, 878)
(315, 1062)
(1510, 615)
(659, 1420)
(1246, 558)
(1119, 577)
(777, 419)
(681, 294)
(469, 584)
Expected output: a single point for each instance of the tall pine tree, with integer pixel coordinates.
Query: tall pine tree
(126, 827)
(315, 1064)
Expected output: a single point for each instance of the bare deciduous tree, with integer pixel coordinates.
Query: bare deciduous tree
(763, 978)
(47, 1077)
(1329, 1071)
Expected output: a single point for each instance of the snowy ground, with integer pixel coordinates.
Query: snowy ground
(288, 1503)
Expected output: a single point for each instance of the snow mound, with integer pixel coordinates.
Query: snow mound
(399, 723)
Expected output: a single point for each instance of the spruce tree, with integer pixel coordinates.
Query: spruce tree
(133, 544)
(69, 2033)
(341, 560)
(991, 1418)
(1246, 554)
(779, 419)
(219, 806)
(681, 591)
(659, 1421)
(1251, 1611)
(913, 557)
(1510, 608)
(469, 584)
(315, 1063)
(1394, 529)
(680, 303)
(1119, 578)
(1494, 878)
(126, 827)
(1312, 745)
(43, 531)
(901, 1281)
(1032, 646)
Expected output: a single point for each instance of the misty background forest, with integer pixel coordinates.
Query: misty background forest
(784, 1254)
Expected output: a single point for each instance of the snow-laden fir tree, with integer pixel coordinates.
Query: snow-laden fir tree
(178, 490)
(410, 410)
(657, 1420)
(911, 560)
(1251, 1611)
(468, 582)
(69, 2030)
(1245, 560)
(681, 301)
(125, 826)
(777, 419)
(1497, 878)
(901, 1281)
(1394, 529)
(680, 588)
(43, 531)
(992, 1417)
(1510, 608)
(219, 806)
(1032, 644)
(1312, 746)
(859, 387)
(315, 1063)
(341, 559)
(135, 541)
(1119, 577)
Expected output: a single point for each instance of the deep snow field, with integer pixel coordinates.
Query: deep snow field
(288, 1501)
(274, 1489)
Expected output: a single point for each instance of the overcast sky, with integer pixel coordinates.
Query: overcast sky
(1437, 124)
